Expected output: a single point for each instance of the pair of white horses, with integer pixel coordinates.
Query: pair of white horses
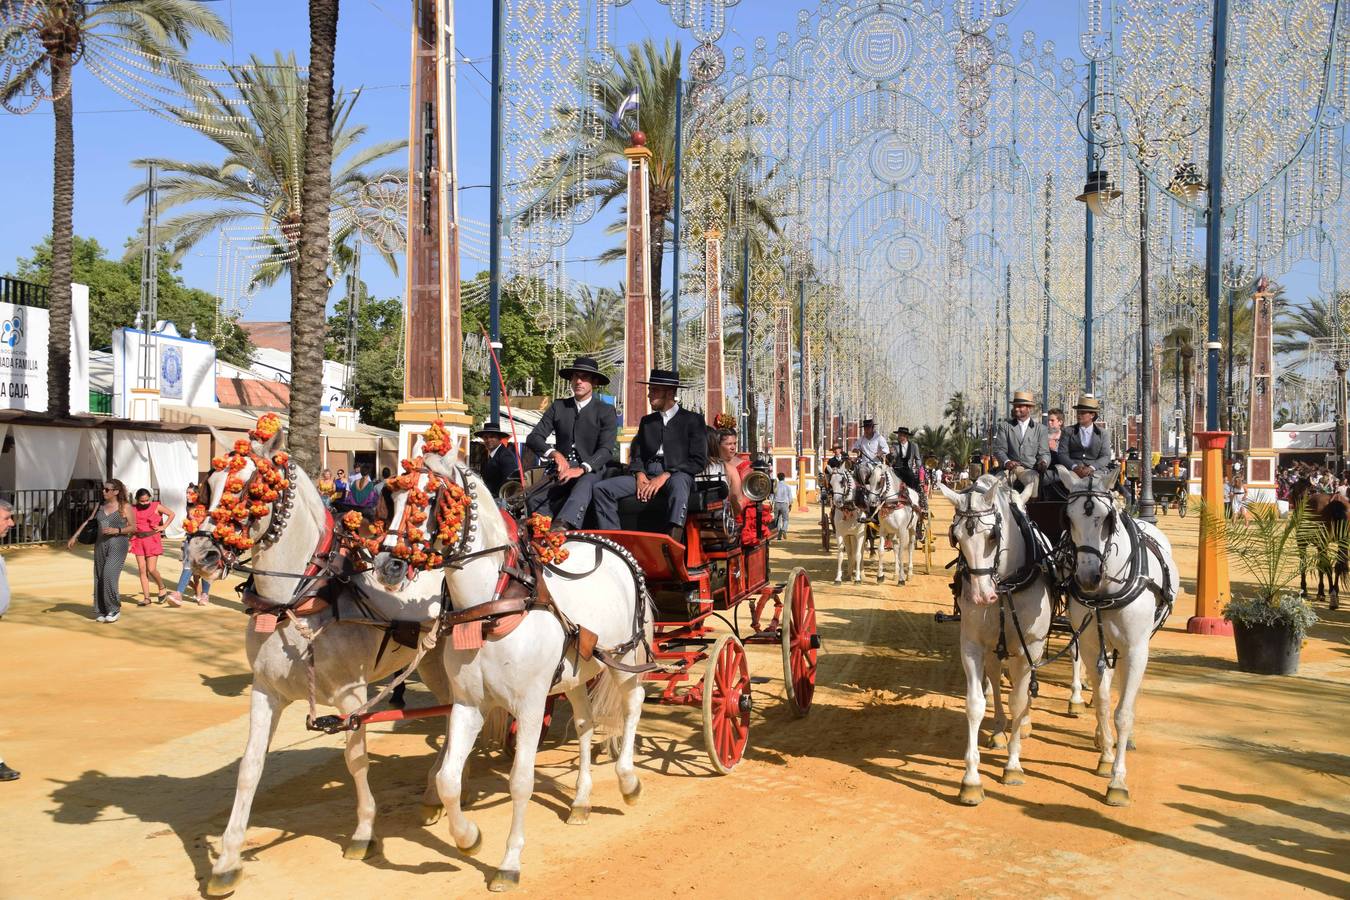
(896, 510)
(596, 587)
(1006, 608)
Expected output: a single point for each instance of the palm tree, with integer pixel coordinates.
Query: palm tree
(655, 72)
(260, 182)
(955, 411)
(1305, 325)
(932, 441)
(595, 321)
(159, 29)
(309, 301)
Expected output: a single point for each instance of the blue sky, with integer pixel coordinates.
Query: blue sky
(373, 42)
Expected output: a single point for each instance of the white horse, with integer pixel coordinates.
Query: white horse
(346, 656)
(598, 587)
(1005, 605)
(848, 523)
(897, 512)
(1119, 563)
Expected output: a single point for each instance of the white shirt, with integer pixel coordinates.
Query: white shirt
(783, 492)
(1085, 436)
(1022, 427)
(666, 416)
(873, 448)
(582, 404)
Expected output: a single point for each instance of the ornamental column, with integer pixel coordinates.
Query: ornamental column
(433, 340)
(1261, 456)
(638, 302)
(715, 398)
(783, 451)
(806, 460)
(1155, 441)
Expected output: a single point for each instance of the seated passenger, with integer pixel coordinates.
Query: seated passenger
(752, 516)
(500, 464)
(670, 448)
(584, 429)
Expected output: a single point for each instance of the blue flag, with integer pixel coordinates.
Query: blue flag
(630, 102)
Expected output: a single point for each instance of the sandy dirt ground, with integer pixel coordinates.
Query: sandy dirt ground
(128, 738)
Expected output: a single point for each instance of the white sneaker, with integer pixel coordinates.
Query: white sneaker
(101, 619)
(108, 620)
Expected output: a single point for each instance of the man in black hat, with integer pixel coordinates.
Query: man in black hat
(670, 448)
(906, 463)
(500, 463)
(584, 429)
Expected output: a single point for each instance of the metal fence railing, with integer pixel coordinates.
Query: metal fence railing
(49, 515)
(23, 293)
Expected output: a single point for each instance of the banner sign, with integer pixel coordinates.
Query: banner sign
(23, 354)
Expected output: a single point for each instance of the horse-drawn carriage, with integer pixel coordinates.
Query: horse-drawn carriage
(722, 564)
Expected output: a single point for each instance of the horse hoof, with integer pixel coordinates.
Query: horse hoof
(222, 884)
(1077, 709)
(361, 849)
(836, 581)
(632, 797)
(998, 741)
(971, 795)
(579, 815)
(881, 579)
(1104, 768)
(1025, 732)
(431, 814)
(1013, 777)
(1129, 745)
(504, 880)
(472, 849)
(1117, 796)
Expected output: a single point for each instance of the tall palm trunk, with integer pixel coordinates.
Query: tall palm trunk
(656, 251)
(309, 298)
(63, 266)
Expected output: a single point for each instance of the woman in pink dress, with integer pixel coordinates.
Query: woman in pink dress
(152, 517)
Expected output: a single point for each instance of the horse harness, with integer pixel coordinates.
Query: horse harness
(1135, 582)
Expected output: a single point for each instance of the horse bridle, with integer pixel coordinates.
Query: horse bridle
(971, 518)
(1089, 507)
(848, 493)
(276, 520)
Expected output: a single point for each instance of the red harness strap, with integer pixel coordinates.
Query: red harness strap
(265, 615)
(470, 635)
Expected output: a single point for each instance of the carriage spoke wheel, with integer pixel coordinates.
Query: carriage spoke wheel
(801, 644)
(726, 704)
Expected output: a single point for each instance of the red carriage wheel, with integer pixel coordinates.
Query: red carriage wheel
(801, 643)
(726, 704)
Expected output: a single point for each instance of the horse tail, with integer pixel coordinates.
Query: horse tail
(607, 701)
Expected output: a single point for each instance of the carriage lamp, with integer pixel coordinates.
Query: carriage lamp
(1098, 191)
(1186, 184)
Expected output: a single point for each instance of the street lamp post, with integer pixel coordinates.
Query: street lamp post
(1146, 508)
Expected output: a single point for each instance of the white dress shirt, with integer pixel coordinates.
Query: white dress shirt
(582, 404)
(666, 416)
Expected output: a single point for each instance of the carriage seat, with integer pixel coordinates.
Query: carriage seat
(653, 516)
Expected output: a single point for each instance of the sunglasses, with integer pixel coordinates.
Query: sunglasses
(109, 488)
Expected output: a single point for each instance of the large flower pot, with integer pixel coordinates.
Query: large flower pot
(1267, 649)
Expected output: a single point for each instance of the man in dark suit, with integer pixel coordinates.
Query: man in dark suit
(1086, 447)
(584, 429)
(670, 448)
(499, 459)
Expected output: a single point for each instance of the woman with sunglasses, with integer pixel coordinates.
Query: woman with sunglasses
(116, 524)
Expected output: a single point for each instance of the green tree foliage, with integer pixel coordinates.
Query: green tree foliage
(378, 381)
(525, 354)
(115, 296)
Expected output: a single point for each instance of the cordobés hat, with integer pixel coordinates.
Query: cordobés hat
(866, 423)
(1020, 397)
(1088, 403)
(902, 430)
(585, 365)
(663, 378)
(491, 426)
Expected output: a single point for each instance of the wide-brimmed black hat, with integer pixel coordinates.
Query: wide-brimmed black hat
(663, 378)
(491, 426)
(867, 422)
(902, 430)
(585, 365)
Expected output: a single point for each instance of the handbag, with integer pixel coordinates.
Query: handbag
(89, 533)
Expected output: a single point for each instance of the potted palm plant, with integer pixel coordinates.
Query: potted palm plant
(1271, 619)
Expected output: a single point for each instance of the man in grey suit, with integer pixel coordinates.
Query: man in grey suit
(1085, 448)
(1021, 444)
